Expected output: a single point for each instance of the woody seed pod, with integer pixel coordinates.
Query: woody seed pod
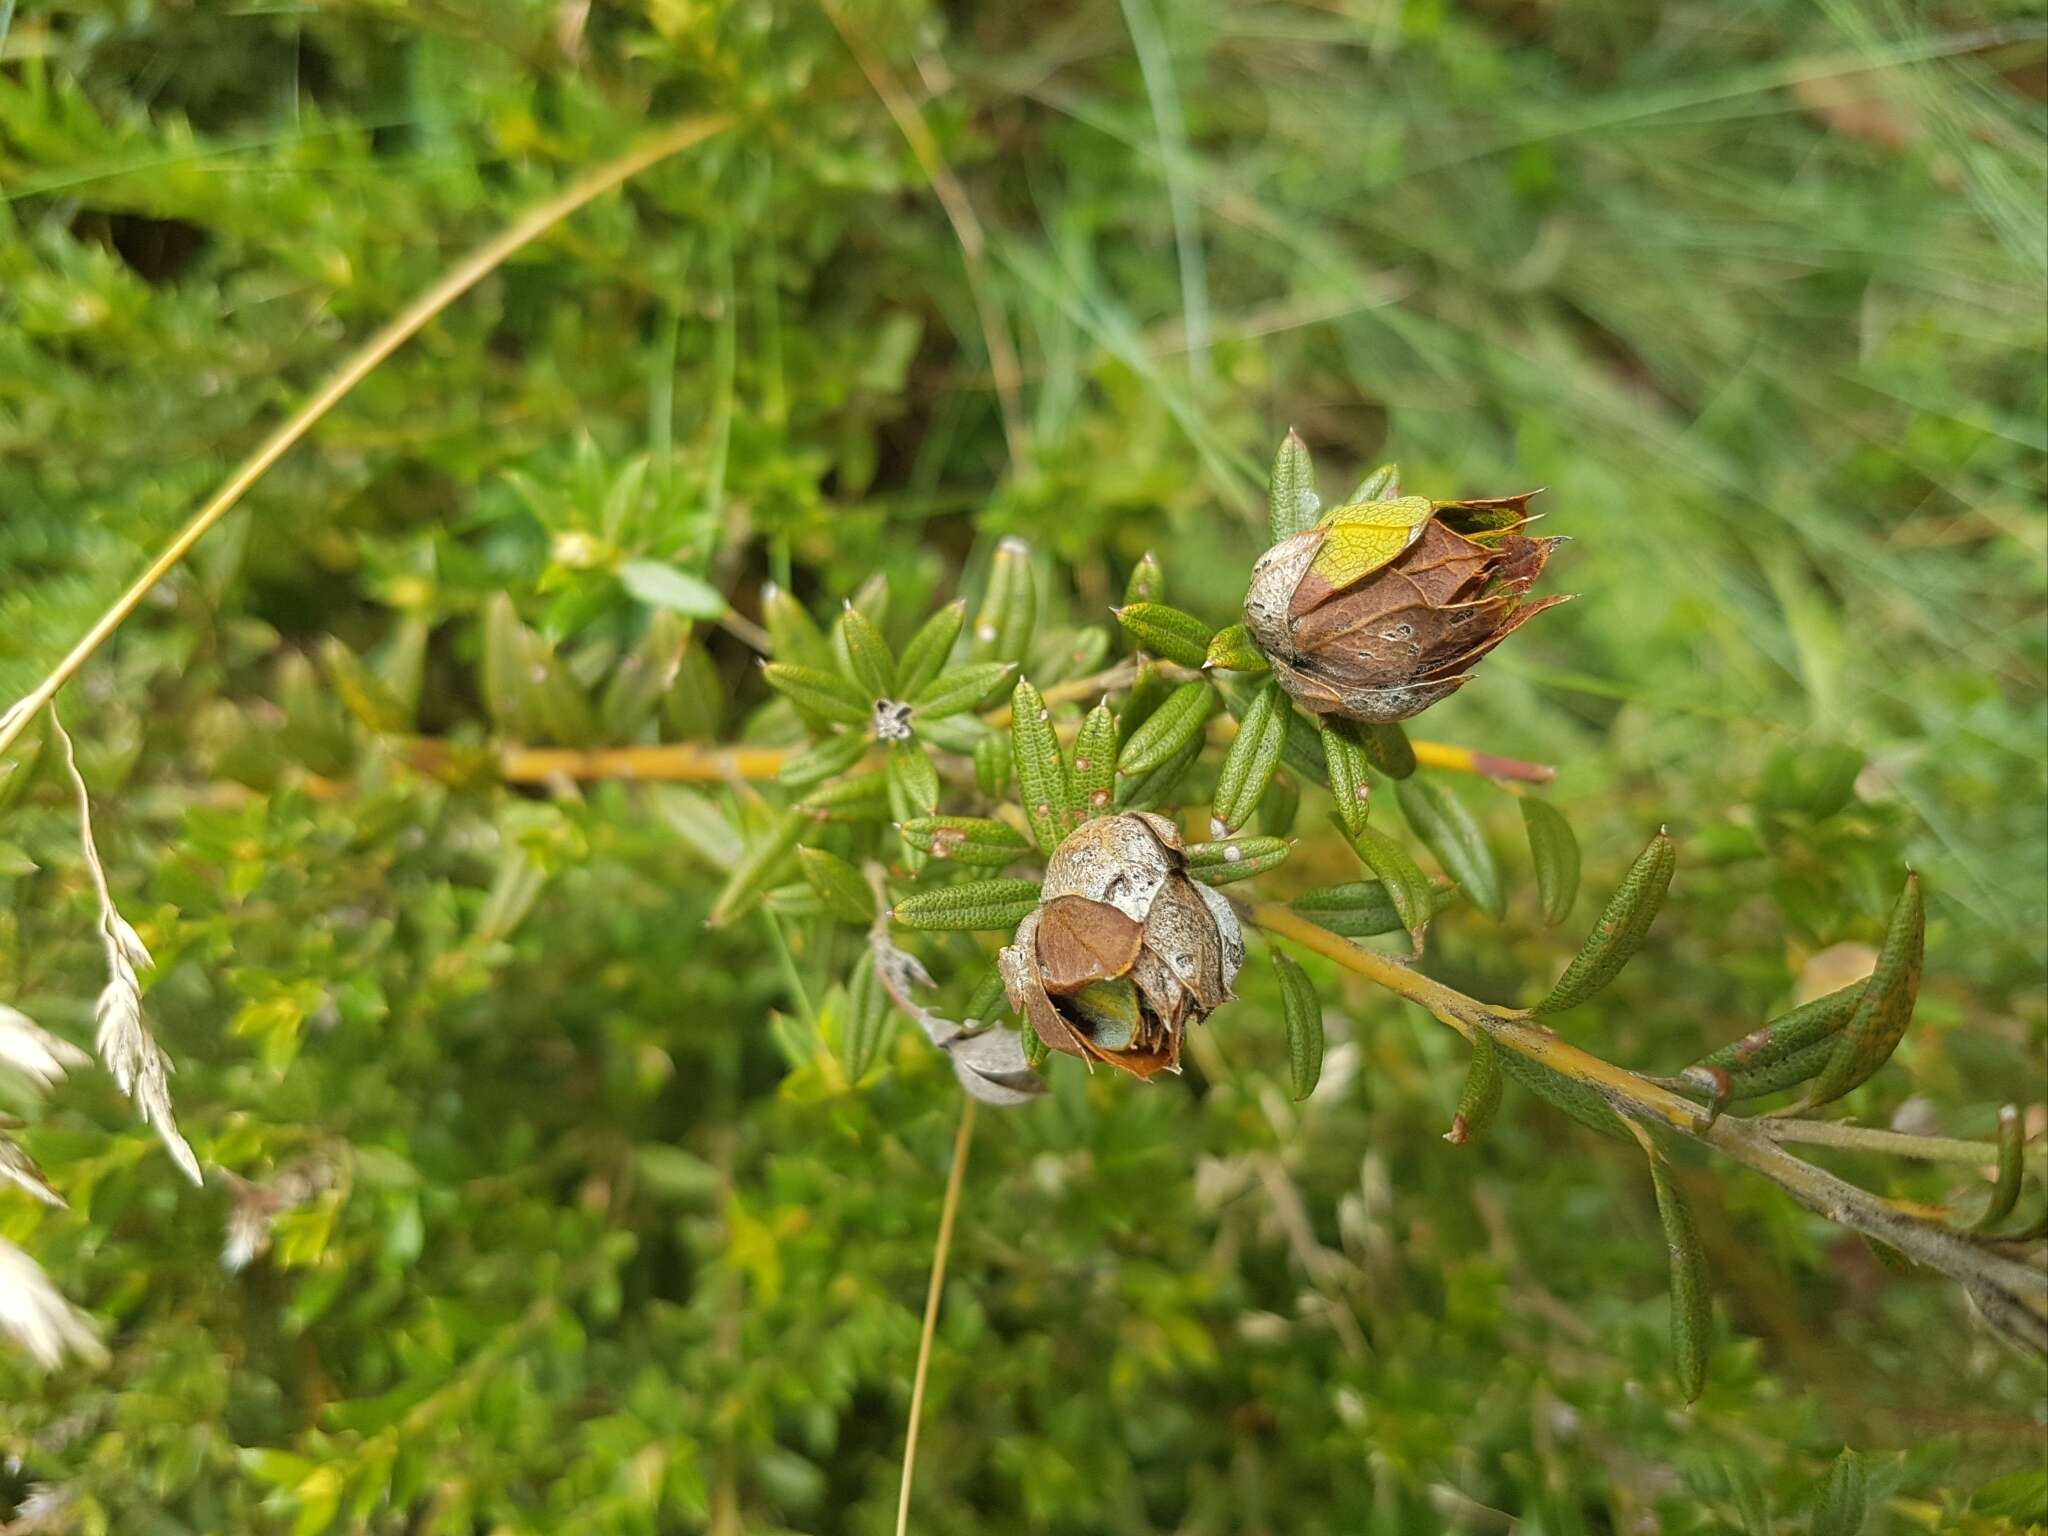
(1124, 950)
(1384, 607)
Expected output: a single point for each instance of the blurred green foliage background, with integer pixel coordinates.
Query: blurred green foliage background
(1754, 288)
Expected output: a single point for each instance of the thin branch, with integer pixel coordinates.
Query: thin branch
(457, 281)
(1863, 1138)
(947, 1211)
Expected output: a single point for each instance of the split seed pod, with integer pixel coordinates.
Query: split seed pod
(1125, 949)
(1384, 607)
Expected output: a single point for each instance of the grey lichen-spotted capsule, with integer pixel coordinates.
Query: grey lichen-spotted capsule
(1124, 950)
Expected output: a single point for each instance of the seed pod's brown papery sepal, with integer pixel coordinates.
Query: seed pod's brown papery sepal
(1405, 635)
(1126, 949)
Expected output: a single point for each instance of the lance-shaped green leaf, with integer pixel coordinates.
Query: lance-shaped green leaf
(872, 598)
(1787, 1051)
(1166, 632)
(1480, 1096)
(1362, 909)
(857, 797)
(1302, 753)
(1886, 1006)
(825, 694)
(694, 705)
(1093, 781)
(1563, 1093)
(960, 733)
(1173, 725)
(865, 1029)
(1235, 858)
(634, 690)
(1691, 1314)
(988, 1003)
(508, 685)
(1231, 650)
(1555, 853)
(992, 765)
(1148, 581)
(925, 657)
(1387, 748)
(976, 840)
(913, 782)
(1291, 499)
(760, 866)
(1254, 757)
(1154, 788)
(1042, 784)
(361, 691)
(864, 656)
(1453, 834)
(822, 760)
(661, 585)
(1009, 607)
(1843, 1505)
(1277, 812)
(968, 906)
(794, 634)
(2005, 1194)
(1406, 885)
(1036, 1051)
(960, 688)
(796, 901)
(1382, 484)
(1350, 786)
(1302, 1012)
(1620, 931)
(839, 885)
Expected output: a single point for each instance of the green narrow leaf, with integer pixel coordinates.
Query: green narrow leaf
(1387, 749)
(925, 657)
(1291, 500)
(1785, 1052)
(1691, 1314)
(2005, 1194)
(1254, 757)
(694, 705)
(1277, 812)
(1148, 581)
(975, 840)
(1562, 1093)
(872, 598)
(988, 1003)
(1362, 909)
(961, 688)
(661, 585)
(1168, 633)
(1042, 784)
(858, 797)
(1480, 1096)
(1232, 650)
(795, 635)
(1886, 1006)
(1555, 853)
(361, 691)
(826, 694)
(866, 1029)
(1351, 788)
(1302, 1013)
(913, 781)
(1844, 1502)
(968, 906)
(1237, 858)
(1407, 886)
(839, 886)
(1619, 932)
(1150, 790)
(796, 901)
(634, 691)
(507, 679)
(992, 765)
(1093, 786)
(821, 761)
(1453, 834)
(1383, 484)
(1173, 725)
(758, 867)
(864, 656)
(1036, 1051)
(1009, 607)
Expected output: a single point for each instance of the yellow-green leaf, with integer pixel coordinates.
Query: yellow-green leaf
(1092, 783)
(839, 885)
(969, 905)
(1302, 1013)
(1691, 1312)
(1042, 784)
(925, 657)
(1167, 632)
(1291, 499)
(1886, 1006)
(1451, 832)
(864, 656)
(1253, 758)
(1480, 1096)
(1407, 886)
(1175, 723)
(1362, 537)
(1555, 853)
(1148, 581)
(1236, 858)
(1619, 932)
(975, 840)
(1232, 650)
(826, 694)
(1344, 756)
(1009, 607)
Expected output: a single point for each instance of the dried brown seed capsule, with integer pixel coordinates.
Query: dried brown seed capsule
(1125, 950)
(1384, 607)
